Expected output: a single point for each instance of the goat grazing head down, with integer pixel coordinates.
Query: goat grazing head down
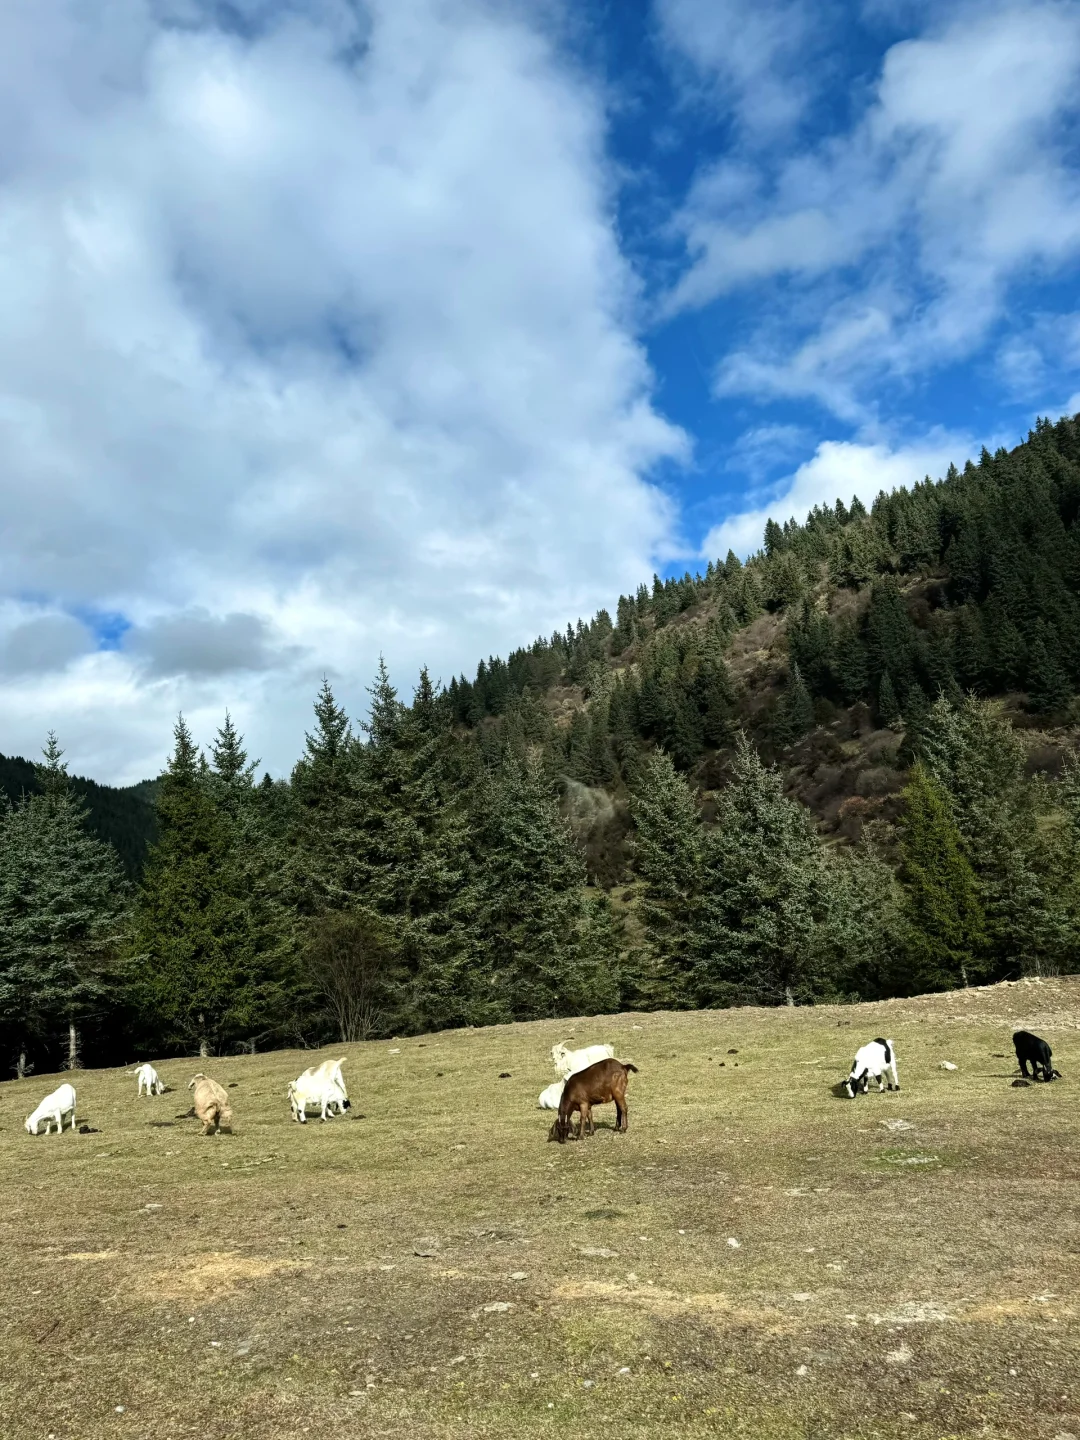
(600, 1083)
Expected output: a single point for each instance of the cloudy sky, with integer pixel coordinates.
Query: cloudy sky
(338, 327)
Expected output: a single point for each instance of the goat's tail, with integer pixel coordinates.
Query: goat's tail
(626, 1065)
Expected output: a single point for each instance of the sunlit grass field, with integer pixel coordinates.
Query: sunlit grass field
(758, 1257)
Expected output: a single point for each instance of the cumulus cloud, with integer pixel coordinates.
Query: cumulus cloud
(954, 182)
(315, 342)
(839, 469)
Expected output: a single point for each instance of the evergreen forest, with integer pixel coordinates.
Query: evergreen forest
(843, 769)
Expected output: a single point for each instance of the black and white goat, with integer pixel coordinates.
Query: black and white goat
(1031, 1050)
(876, 1061)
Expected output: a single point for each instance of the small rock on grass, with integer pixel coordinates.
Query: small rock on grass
(426, 1246)
(598, 1252)
(735, 1244)
(497, 1307)
(1021, 1084)
(948, 1065)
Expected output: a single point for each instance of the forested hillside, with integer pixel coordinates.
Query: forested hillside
(124, 817)
(844, 768)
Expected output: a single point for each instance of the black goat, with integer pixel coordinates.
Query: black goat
(1029, 1048)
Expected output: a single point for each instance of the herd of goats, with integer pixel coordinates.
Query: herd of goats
(587, 1077)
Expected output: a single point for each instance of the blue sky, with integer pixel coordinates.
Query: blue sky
(419, 327)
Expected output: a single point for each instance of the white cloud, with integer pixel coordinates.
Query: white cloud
(839, 469)
(752, 57)
(956, 180)
(317, 331)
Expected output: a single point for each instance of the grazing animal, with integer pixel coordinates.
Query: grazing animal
(549, 1098)
(52, 1109)
(596, 1085)
(1031, 1050)
(324, 1086)
(149, 1080)
(876, 1061)
(211, 1104)
(569, 1062)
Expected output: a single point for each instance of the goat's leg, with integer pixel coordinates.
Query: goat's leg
(620, 1114)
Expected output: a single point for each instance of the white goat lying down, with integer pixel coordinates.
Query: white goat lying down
(875, 1061)
(149, 1080)
(569, 1062)
(549, 1098)
(53, 1108)
(324, 1086)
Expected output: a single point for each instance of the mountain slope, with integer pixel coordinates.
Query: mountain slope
(827, 646)
(124, 817)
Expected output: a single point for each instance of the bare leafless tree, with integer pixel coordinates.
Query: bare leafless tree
(352, 957)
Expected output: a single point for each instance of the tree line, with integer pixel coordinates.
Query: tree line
(417, 869)
(401, 880)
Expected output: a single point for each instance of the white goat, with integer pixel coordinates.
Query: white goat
(875, 1061)
(549, 1098)
(53, 1108)
(149, 1080)
(569, 1062)
(324, 1086)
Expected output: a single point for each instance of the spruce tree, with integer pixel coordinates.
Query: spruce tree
(324, 870)
(980, 763)
(947, 934)
(888, 705)
(794, 711)
(1048, 682)
(536, 946)
(667, 857)
(762, 937)
(200, 975)
(64, 909)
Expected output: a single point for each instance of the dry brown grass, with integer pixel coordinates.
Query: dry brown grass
(888, 1281)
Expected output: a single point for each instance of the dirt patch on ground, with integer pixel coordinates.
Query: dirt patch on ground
(669, 1302)
(211, 1277)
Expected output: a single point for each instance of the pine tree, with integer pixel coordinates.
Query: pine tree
(794, 711)
(324, 871)
(201, 976)
(947, 937)
(64, 905)
(537, 949)
(667, 857)
(980, 763)
(850, 665)
(1048, 682)
(579, 749)
(762, 937)
(888, 705)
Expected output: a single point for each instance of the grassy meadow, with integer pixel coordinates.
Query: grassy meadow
(906, 1264)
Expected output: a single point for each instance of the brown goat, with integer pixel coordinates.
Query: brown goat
(211, 1104)
(598, 1085)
